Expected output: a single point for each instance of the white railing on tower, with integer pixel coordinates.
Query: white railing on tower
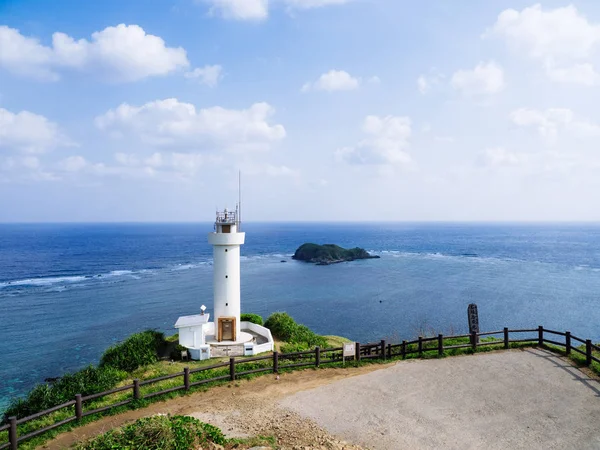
(226, 217)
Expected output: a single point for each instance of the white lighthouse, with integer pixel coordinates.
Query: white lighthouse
(226, 241)
(226, 335)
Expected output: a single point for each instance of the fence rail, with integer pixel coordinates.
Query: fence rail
(378, 350)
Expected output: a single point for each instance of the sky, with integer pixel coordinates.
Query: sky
(333, 110)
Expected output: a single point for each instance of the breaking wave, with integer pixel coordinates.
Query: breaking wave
(59, 283)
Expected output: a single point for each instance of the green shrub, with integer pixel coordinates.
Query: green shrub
(175, 354)
(292, 348)
(85, 382)
(254, 318)
(157, 433)
(137, 350)
(283, 327)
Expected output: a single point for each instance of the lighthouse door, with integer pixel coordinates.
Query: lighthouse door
(227, 329)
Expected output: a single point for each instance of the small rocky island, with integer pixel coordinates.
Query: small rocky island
(324, 255)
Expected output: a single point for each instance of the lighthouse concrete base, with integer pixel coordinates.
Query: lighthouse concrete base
(229, 348)
(241, 339)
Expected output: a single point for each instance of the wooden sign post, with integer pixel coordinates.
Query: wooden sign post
(473, 320)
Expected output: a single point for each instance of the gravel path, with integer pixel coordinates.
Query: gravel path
(516, 399)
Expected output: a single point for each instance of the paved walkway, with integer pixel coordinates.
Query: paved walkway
(531, 399)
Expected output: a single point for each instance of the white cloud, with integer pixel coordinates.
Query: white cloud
(24, 168)
(257, 10)
(425, 83)
(334, 80)
(280, 171)
(209, 75)
(499, 156)
(239, 9)
(306, 4)
(183, 163)
(171, 123)
(73, 163)
(121, 53)
(562, 39)
(77, 165)
(579, 73)
(485, 78)
(386, 145)
(374, 80)
(28, 132)
(551, 121)
(270, 170)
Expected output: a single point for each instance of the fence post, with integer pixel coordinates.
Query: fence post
(588, 352)
(357, 351)
(12, 433)
(186, 378)
(317, 356)
(568, 343)
(136, 389)
(232, 368)
(78, 407)
(440, 345)
(389, 355)
(506, 338)
(474, 341)
(403, 349)
(275, 362)
(382, 349)
(540, 335)
(420, 346)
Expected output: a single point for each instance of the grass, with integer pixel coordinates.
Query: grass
(335, 341)
(577, 358)
(162, 368)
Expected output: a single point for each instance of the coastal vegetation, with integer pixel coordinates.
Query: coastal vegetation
(158, 432)
(117, 362)
(139, 356)
(137, 350)
(166, 432)
(296, 337)
(85, 382)
(329, 254)
(249, 317)
(169, 373)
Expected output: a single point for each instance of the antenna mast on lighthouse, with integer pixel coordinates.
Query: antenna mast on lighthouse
(239, 216)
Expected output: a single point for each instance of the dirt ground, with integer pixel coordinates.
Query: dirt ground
(509, 399)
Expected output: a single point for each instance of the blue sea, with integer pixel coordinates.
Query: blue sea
(68, 291)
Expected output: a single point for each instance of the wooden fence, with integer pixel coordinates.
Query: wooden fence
(311, 358)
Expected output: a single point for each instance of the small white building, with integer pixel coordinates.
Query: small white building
(226, 335)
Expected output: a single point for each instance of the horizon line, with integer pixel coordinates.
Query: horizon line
(185, 222)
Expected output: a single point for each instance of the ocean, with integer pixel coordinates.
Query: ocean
(68, 291)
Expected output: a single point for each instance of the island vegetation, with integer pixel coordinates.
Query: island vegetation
(326, 254)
